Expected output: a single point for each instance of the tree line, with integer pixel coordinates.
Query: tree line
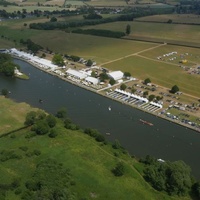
(98, 32)
(172, 177)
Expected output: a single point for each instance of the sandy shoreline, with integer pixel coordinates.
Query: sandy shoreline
(96, 91)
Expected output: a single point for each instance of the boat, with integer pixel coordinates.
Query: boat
(109, 108)
(40, 100)
(146, 122)
(107, 133)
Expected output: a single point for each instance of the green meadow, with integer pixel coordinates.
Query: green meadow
(12, 114)
(90, 163)
(164, 31)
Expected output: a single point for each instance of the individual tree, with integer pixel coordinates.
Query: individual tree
(53, 19)
(174, 89)
(151, 97)
(116, 145)
(103, 76)
(158, 98)
(40, 127)
(128, 29)
(75, 58)
(100, 138)
(133, 90)
(123, 86)
(30, 118)
(61, 113)
(89, 63)
(4, 92)
(112, 81)
(53, 133)
(169, 21)
(127, 74)
(119, 169)
(93, 74)
(41, 115)
(58, 60)
(51, 121)
(145, 93)
(147, 80)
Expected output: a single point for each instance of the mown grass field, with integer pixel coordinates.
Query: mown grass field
(90, 163)
(160, 73)
(190, 54)
(100, 49)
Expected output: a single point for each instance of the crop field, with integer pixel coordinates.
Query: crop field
(160, 73)
(176, 18)
(176, 32)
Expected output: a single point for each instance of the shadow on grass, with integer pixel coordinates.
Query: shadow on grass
(13, 131)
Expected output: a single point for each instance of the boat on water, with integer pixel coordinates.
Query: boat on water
(146, 122)
(109, 108)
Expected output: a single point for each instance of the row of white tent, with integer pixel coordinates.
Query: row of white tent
(34, 59)
(138, 97)
(132, 95)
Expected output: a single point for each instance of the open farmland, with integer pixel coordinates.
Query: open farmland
(29, 8)
(160, 73)
(100, 49)
(176, 18)
(161, 31)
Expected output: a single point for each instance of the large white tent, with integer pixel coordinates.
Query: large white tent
(92, 80)
(76, 74)
(116, 75)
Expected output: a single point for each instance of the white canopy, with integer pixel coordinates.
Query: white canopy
(116, 75)
(92, 80)
(76, 74)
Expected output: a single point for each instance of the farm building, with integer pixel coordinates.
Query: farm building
(116, 75)
(92, 80)
(76, 74)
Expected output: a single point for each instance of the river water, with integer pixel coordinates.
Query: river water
(164, 140)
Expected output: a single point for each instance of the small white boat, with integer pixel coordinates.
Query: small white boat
(109, 108)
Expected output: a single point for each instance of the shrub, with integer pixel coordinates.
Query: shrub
(118, 170)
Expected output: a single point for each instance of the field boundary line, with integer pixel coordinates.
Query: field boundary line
(133, 54)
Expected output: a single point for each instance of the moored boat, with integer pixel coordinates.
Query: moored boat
(146, 122)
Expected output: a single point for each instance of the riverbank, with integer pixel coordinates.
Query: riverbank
(102, 92)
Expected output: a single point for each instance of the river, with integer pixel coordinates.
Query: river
(164, 140)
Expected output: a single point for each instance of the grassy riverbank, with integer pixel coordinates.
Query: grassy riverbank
(12, 114)
(90, 162)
